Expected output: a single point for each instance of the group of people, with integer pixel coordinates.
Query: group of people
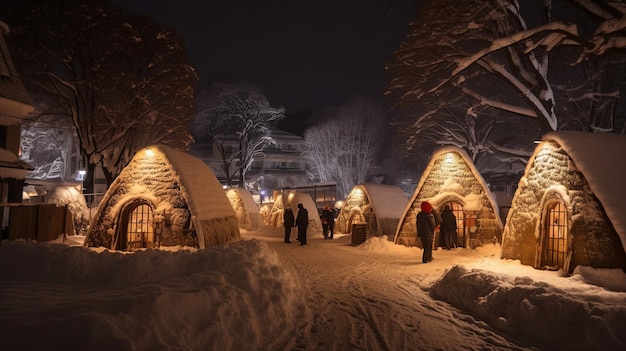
(427, 223)
(301, 220)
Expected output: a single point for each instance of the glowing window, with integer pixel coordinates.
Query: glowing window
(555, 245)
(139, 233)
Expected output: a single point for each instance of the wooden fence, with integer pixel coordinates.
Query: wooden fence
(40, 222)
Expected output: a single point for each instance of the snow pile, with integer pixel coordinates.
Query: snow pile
(556, 312)
(76, 298)
(75, 201)
(261, 293)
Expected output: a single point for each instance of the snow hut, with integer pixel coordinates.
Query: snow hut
(293, 198)
(379, 206)
(569, 208)
(452, 179)
(245, 208)
(163, 197)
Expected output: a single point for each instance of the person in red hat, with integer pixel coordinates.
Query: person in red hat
(426, 225)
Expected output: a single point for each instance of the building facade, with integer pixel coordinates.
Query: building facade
(279, 165)
(15, 105)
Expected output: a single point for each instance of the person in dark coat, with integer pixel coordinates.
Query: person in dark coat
(426, 229)
(328, 222)
(448, 228)
(288, 222)
(302, 221)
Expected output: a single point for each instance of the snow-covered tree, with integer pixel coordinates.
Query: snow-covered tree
(46, 144)
(344, 146)
(512, 46)
(236, 117)
(122, 80)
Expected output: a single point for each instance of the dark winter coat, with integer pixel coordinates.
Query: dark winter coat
(426, 225)
(329, 216)
(302, 220)
(288, 220)
(448, 221)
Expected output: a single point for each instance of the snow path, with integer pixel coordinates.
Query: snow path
(359, 299)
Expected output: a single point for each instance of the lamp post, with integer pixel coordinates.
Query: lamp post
(81, 177)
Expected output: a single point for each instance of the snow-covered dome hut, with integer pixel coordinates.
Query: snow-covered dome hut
(379, 206)
(292, 199)
(451, 178)
(245, 208)
(163, 197)
(569, 208)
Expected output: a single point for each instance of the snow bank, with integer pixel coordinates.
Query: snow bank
(557, 313)
(69, 297)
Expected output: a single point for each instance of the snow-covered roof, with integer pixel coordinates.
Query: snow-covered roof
(471, 199)
(11, 166)
(602, 160)
(246, 199)
(387, 201)
(198, 183)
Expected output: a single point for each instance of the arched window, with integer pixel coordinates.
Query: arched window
(555, 235)
(136, 227)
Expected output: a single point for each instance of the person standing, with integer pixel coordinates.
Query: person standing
(324, 221)
(448, 228)
(289, 222)
(425, 222)
(302, 221)
(328, 222)
(331, 222)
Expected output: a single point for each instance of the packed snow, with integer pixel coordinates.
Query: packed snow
(263, 294)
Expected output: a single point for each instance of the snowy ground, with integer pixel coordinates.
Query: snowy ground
(263, 294)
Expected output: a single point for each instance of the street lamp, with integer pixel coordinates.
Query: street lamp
(81, 177)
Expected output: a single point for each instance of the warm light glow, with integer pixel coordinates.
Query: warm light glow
(449, 157)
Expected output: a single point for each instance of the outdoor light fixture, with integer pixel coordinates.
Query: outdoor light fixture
(81, 177)
(449, 157)
(149, 152)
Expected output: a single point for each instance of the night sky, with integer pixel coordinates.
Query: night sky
(304, 55)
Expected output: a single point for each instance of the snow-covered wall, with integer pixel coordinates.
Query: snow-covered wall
(552, 173)
(380, 206)
(452, 176)
(181, 190)
(293, 198)
(245, 208)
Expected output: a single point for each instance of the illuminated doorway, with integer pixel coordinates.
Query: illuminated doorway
(136, 227)
(459, 213)
(555, 231)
